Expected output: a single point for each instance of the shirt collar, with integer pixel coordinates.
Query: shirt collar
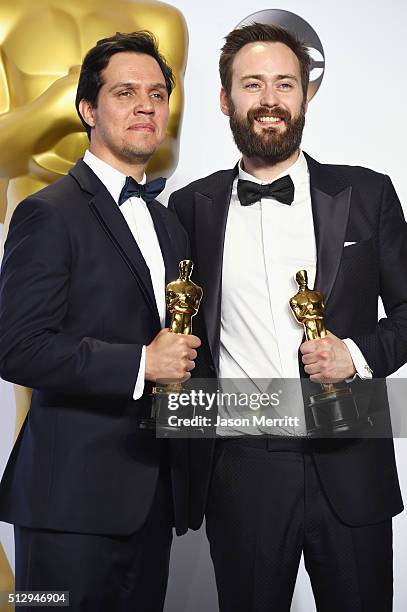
(298, 171)
(111, 178)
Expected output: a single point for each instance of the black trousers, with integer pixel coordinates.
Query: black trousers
(103, 573)
(266, 505)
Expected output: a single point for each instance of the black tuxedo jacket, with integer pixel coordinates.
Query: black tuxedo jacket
(76, 307)
(349, 204)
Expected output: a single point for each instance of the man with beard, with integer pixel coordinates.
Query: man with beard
(93, 496)
(277, 212)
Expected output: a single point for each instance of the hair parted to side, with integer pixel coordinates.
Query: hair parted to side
(261, 32)
(97, 58)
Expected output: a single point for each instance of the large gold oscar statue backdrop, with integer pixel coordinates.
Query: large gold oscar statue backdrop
(41, 137)
(6, 579)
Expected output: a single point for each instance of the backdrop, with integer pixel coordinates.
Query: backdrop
(357, 117)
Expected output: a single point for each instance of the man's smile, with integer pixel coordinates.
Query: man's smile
(270, 119)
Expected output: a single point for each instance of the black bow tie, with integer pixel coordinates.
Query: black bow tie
(147, 192)
(282, 190)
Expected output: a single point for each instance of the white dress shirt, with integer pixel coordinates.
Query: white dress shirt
(266, 243)
(141, 225)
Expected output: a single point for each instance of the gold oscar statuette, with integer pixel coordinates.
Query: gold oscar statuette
(182, 297)
(334, 411)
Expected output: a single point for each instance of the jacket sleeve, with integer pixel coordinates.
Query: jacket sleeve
(385, 348)
(34, 298)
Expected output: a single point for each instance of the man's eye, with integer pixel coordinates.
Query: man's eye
(124, 94)
(252, 85)
(157, 95)
(285, 86)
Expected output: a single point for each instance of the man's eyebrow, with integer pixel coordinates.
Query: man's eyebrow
(278, 77)
(158, 85)
(259, 77)
(134, 85)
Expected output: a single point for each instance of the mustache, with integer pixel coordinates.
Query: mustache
(266, 111)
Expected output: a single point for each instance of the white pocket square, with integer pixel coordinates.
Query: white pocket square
(345, 244)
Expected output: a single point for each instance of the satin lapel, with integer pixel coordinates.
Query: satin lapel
(211, 212)
(330, 214)
(114, 224)
(168, 249)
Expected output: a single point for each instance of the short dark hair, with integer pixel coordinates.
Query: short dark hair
(261, 32)
(97, 58)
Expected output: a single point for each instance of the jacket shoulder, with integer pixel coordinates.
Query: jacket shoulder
(358, 173)
(352, 175)
(52, 199)
(57, 192)
(206, 185)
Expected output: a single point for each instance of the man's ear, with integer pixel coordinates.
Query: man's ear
(224, 102)
(87, 112)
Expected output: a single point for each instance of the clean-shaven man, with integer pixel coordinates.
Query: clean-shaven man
(83, 322)
(277, 212)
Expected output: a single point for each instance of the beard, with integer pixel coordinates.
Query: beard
(128, 152)
(136, 155)
(270, 145)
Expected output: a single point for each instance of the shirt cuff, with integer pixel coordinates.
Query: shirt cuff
(363, 369)
(139, 388)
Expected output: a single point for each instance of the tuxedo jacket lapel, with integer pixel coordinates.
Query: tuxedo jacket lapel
(168, 248)
(114, 224)
(211, 211)
(330, 200)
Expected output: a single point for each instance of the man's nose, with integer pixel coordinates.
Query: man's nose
(144, 103)
(269, 96)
